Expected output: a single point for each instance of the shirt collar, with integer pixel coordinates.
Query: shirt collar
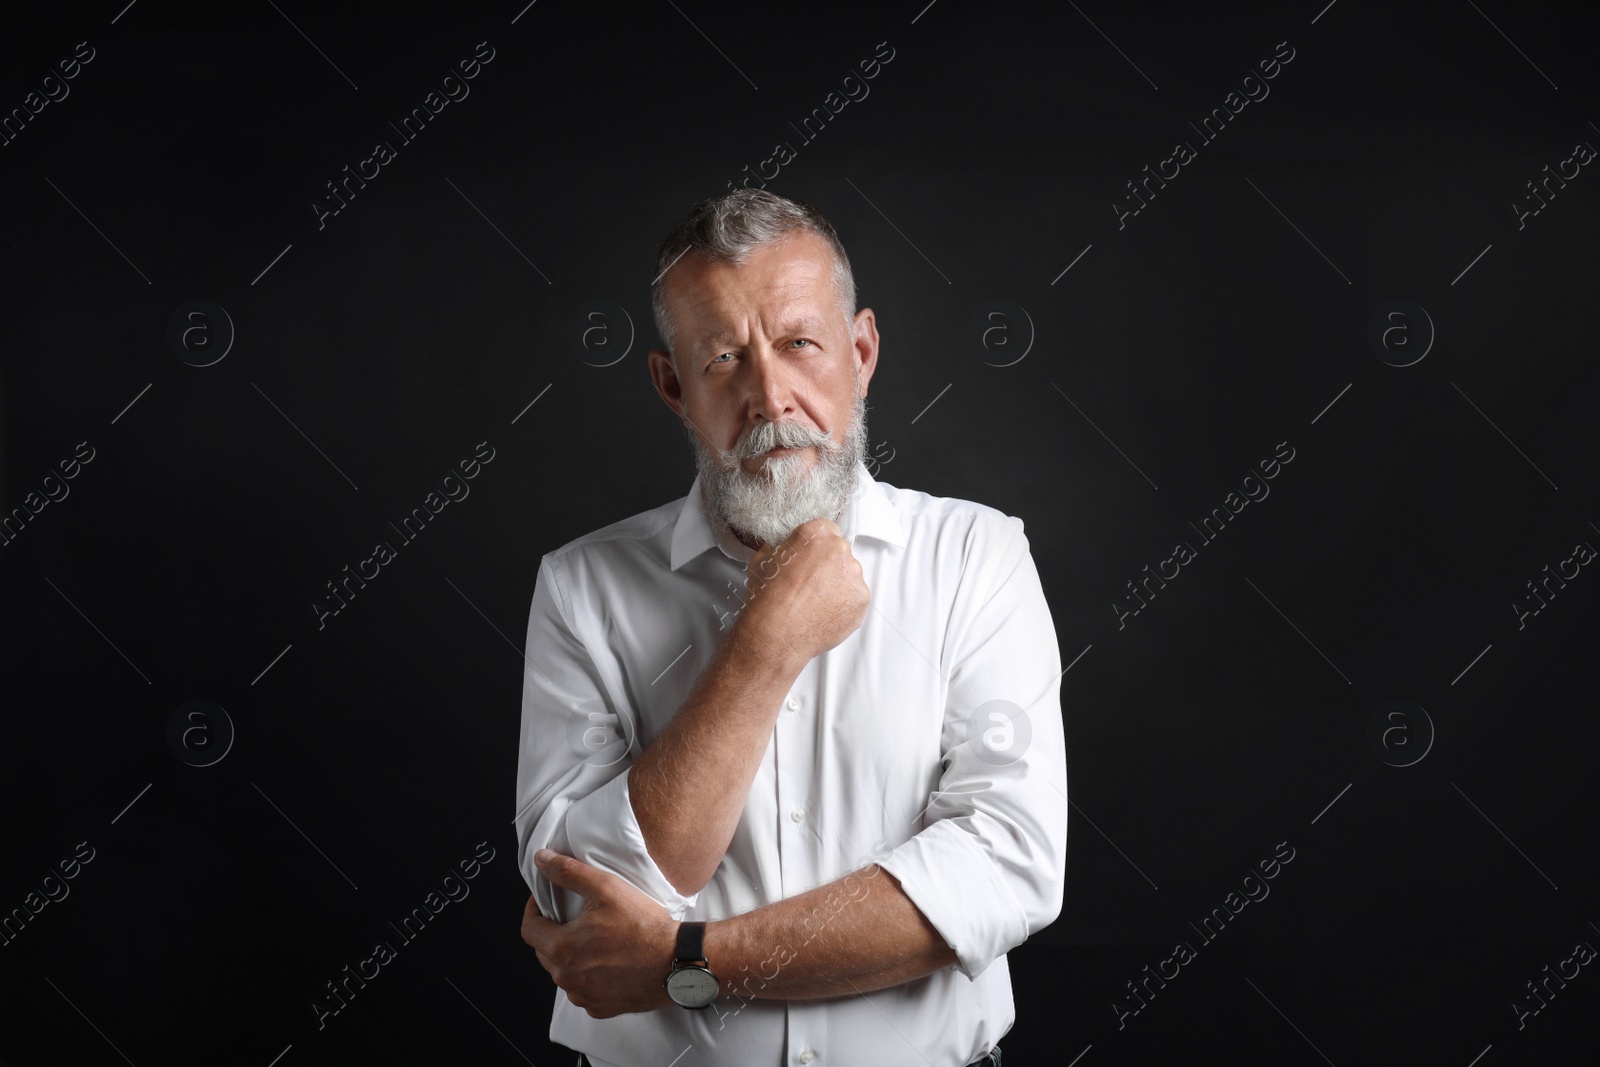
(867, 514)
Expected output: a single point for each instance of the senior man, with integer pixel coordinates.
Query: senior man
(792, 776)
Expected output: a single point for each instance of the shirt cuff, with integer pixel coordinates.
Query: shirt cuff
(602, 831)
(952, 880)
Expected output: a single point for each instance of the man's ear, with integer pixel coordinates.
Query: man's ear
(665, 378)
(865, 354)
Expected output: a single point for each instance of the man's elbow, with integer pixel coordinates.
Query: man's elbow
(687, 882)
(1048, 911)
(1046, 894)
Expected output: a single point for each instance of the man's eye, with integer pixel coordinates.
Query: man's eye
(719, 357)
(801, 341)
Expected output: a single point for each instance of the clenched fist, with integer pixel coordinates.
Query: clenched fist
(806, 594)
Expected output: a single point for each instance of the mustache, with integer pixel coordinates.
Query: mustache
(783, 434)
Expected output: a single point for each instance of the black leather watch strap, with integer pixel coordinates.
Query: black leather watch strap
(691, 942)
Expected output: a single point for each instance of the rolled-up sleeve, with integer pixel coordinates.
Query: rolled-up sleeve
(576, 748)
(988, 869)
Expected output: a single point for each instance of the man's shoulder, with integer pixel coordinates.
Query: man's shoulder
(924, 514)
(648, 532)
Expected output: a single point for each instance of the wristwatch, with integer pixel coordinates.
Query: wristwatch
(691, 983)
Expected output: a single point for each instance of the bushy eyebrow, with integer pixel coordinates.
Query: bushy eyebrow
(803, 325)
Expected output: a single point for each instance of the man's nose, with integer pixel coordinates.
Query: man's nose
(770, 396)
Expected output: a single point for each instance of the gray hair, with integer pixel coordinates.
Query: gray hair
(727, 228)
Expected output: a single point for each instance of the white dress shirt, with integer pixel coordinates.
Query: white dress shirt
(872, 759)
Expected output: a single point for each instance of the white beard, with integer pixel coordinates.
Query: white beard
(788, 490)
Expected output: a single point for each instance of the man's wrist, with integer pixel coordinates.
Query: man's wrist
(756, 651)
(718, 946)
(691, 982)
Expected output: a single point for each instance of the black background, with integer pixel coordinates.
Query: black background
(374, 353)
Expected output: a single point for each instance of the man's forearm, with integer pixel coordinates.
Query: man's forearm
(689, 787)
(854, 935)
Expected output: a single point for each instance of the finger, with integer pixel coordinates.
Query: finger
(758, 567)
(567, 872)
(537, 930)
(818, 526)
(759, 570)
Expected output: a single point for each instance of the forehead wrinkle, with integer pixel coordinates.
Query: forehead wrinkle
(791, 319)
(802, 273)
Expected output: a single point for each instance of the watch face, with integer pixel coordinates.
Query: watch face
(692, 987)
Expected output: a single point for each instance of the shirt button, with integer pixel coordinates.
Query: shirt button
(794, 705)
(798, 815)
(806, 1055)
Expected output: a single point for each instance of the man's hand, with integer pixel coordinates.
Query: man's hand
(806, 595)
(615, 956)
